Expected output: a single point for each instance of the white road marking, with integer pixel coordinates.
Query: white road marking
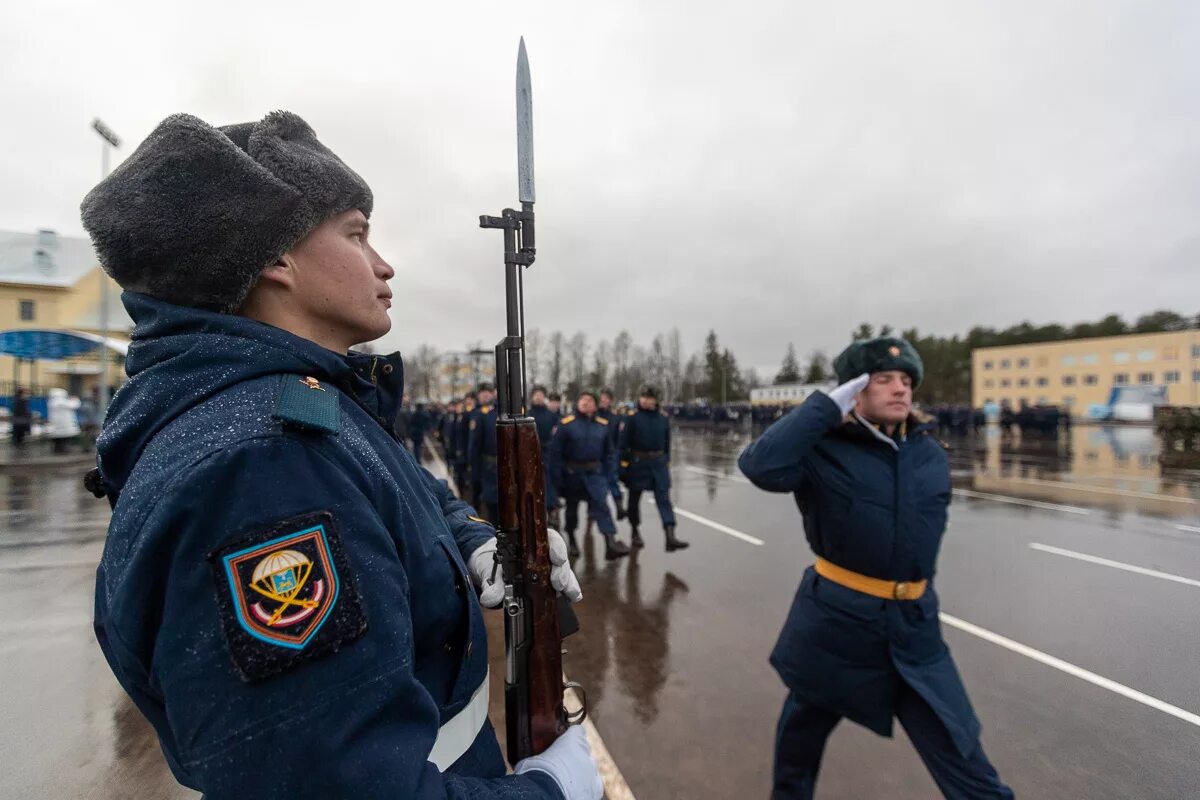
(1018, 501)
(716, 526)
(1071, 669)
(1188, 528)
(1153, 573)
(715, 474)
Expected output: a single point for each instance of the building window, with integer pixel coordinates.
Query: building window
(1069, 400)
(1068, 380)
(987, 365)
(987, 384)
(1005, 363)
(1091, 359)
(1068, 361)
(1171, 377)
(1196, 351)
(1023, 382)
(1196, 376)
(1121, 379)
(987, 401)
(1043, 381)
(27, 312)
(1043, 401)
(1022, 363)
(1170, 353)
(1145, 355)
(1121, 357)
(1005, 383)
(1091, 380)
(1145, 377)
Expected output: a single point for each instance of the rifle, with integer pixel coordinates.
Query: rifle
(535, 618)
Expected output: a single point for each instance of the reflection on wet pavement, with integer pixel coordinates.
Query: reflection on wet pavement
(673, 647)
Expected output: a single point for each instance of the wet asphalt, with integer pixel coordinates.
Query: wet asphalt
(673, 650)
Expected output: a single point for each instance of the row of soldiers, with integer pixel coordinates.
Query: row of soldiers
(587, 455)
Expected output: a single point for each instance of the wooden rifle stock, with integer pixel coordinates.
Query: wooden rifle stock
(534, 680)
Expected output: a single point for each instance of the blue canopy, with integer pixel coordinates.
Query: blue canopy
(51, 345)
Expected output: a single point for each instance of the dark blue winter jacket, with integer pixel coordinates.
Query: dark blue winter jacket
(283, 590)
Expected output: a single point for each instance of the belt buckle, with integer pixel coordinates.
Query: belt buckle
(900, 592)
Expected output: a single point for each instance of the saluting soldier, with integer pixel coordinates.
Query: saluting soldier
(285, 593)
(482, 448)
(582, 462)
(862, 639)
(546, 421)
(645, 453)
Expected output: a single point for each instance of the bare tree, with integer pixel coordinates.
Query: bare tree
(675, 363)
(577, 351)
(621, 346)
(601, 360)
(533, 356)
(427, 381)
(556, 361)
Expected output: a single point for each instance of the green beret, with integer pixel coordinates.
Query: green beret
(879, 355)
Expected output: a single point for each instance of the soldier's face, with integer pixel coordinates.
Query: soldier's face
(339, 283)
(887, 398)
(554, 405)
(538, 398)
(605, 401)
(647, 403)
(485, 398)
(585, 404)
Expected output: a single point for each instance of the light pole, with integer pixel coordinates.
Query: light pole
(110, 140)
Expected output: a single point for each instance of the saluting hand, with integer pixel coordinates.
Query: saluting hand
(846, 395)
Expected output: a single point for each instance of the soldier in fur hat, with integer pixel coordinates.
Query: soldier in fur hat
(862, 639)
(285, 593)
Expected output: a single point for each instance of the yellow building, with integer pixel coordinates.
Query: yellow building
(50, 305)
(1077, 373)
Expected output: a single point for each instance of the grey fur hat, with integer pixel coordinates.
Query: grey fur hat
(197, 212)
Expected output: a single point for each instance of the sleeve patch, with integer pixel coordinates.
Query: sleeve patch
(286, 595)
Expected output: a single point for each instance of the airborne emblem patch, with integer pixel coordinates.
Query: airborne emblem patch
(286, 595)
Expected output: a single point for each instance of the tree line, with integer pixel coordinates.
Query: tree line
(571, 364)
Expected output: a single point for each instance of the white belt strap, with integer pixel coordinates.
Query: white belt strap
(459, 733)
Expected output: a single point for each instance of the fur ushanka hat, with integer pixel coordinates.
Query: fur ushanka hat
(879, 355)
(197, 212)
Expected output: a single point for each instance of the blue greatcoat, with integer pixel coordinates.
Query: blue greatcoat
(482, 448)
(200, 449)
(878, 507)
(646, 432)
(614, 433)
(583, 466)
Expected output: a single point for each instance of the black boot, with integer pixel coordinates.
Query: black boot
(635, 538)
(614, 549)
(572, 546)
(673, 543)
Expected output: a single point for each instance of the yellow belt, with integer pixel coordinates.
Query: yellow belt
(876, 587)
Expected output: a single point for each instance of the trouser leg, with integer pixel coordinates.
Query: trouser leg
(970, 777)
(662, 499)
(800, 740)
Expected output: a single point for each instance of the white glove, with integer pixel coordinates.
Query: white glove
(846, 395)
(569, 762)
(562, 577)
(483, 566)
(487, 579)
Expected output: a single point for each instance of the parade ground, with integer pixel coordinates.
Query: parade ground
(1070, 591)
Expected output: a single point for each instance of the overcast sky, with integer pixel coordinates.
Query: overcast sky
(776, 171)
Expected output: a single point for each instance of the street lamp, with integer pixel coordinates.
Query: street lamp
(110, 140)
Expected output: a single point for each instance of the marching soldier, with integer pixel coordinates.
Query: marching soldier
(609, 415)
(546, 421)
(462, 455)
(582, 463)
(448, 434)
(482, 449)
(863, 639)
(645, 448)
(285, 593)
